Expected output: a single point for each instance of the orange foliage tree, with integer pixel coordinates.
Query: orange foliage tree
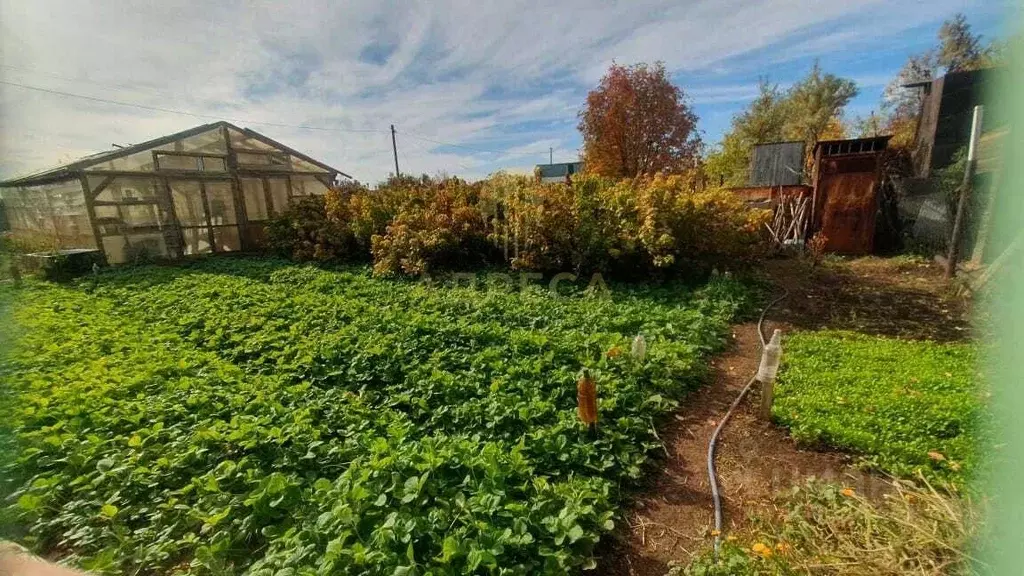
(637, 122)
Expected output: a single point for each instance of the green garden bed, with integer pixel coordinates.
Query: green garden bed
(906, 407)
(251, 415)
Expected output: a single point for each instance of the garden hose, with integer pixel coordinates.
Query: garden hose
(715, 495)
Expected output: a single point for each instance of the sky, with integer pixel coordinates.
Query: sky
(471, 87)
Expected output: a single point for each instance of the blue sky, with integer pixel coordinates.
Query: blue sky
(472, 87)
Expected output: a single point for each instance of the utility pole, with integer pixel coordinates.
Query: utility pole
(394, 148)
(965, 193)
(551, 155)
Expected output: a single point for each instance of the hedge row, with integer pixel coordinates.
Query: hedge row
(632, 226)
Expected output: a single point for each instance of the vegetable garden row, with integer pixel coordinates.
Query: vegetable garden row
(263, 417)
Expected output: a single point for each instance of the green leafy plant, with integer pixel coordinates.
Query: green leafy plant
(906, 407)
(253, 416)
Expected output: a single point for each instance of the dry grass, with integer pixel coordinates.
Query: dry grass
(823, 528)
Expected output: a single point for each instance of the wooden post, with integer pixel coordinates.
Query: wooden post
(394, 148)
(767, 397)
(90, 210)
(965, 193)
(985, 226)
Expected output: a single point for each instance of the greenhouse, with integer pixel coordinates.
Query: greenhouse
(208, 189)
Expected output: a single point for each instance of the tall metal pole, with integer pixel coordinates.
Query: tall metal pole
(551, 155)
(394, 148)
(965, 193)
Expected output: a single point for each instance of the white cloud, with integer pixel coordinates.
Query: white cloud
(486, 75)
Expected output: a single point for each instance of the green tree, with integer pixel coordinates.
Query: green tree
(815, 105)
(867, 126)
(959, 49)
(762, 122)
(809, 110)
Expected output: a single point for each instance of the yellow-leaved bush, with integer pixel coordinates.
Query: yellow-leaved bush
(631, 227)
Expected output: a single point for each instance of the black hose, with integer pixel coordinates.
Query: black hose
(715, 495)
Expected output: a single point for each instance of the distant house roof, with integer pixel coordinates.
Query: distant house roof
(560, 170)
(69, 170)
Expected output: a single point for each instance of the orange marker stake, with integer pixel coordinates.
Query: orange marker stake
(586, 397)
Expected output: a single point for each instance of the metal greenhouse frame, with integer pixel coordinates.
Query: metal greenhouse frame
(207, 189)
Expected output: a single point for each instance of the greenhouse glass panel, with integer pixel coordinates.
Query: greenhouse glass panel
(124, 189)
(188, 203)
(300, 165)
(152, 245)
(307, 186)
(172, 162)
(255, 200)
(279, 194)
(143, 216)
(197, 241)
(211, 164)
(226, 238)
(116, 249)
(222, 203)
(49, 216)
(245, 159)
(241, 141)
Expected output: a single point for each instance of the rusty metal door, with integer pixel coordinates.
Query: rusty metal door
(848, 203)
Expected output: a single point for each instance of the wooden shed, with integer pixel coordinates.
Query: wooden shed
(847, 179)
(207, 189)
(947, 107)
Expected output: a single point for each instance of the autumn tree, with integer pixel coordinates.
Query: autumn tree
(637, 122)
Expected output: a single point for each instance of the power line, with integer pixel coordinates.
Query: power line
(79, 80)
(184, 113)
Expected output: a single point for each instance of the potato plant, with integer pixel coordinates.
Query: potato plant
(254, 416)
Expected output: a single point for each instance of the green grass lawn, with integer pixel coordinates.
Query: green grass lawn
(256, 416)
(906, 407)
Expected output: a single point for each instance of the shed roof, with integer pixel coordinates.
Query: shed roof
(853, 145)
(70, 170)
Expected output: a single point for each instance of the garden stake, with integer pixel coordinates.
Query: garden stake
(586, 398)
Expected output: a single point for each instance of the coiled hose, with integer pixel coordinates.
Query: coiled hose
(715, 495)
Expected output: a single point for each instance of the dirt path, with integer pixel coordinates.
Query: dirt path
(671, 517)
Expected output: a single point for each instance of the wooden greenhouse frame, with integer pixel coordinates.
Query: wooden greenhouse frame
(206, 189)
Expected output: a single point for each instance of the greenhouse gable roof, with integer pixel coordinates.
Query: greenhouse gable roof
(71, 170)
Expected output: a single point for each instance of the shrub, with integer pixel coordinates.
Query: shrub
(642, 225)
(632, 226)
(306, 232)
(438, 226)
